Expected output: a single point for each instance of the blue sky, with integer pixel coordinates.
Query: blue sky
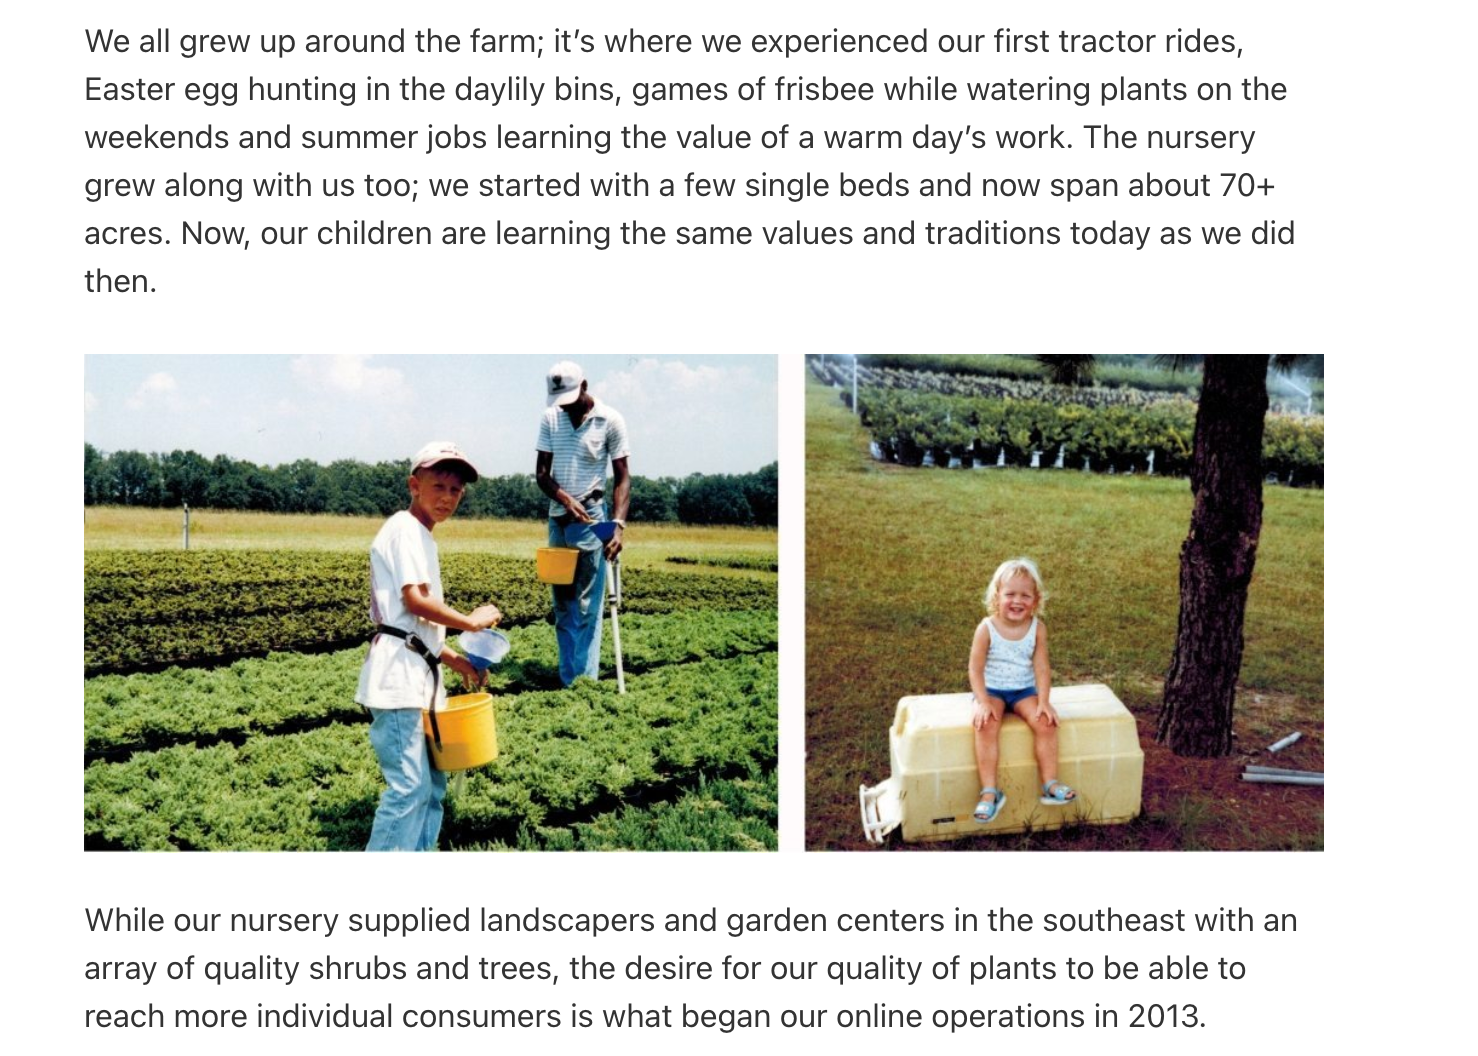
(686, 414)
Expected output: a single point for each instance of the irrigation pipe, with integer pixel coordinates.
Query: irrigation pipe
(1292, 738)
(1279, 770)
(1279, 779)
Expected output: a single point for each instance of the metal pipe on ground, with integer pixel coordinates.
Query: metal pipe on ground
(1291, 739)
(1280, 770)
(1279, 779)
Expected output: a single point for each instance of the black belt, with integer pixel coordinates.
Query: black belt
(414, 644)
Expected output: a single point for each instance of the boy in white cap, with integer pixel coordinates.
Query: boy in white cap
(578, 436)
(401, 673)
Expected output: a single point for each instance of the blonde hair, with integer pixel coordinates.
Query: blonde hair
(1009, 570)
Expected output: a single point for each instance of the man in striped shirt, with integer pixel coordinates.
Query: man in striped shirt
(578, 436)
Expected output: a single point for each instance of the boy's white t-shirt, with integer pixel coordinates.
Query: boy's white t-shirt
(394, 676)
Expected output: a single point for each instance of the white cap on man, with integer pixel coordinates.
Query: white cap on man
(439, 451)
(563, 383)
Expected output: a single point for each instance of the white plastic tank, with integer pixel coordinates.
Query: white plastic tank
(932, 792)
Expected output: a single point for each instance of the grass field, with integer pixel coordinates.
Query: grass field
(897, 561)
(131, 528)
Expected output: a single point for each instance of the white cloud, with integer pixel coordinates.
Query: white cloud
(664, 381)
(158, 390)
(348, 374)
(89, 403)
(721, 418)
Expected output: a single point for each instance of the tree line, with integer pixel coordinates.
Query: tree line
(133, 478)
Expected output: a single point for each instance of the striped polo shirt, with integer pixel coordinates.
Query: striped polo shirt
(582, 456)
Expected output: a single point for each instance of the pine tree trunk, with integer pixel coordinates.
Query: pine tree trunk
(1217, 558)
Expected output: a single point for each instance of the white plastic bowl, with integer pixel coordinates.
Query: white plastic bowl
(485, 648)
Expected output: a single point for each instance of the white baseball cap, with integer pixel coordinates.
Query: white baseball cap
(439, 451)
(563, 383)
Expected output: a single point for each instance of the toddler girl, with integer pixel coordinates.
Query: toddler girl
(1009, 671)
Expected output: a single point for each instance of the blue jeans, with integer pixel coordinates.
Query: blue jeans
(409, 816)
(579, 608)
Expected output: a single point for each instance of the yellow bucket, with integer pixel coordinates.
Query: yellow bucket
(469, 737)
(556, 564)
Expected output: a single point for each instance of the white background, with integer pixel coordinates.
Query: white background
(1365, 149)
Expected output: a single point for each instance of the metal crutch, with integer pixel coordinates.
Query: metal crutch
(616, 622)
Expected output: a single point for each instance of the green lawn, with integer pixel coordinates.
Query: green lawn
(898, 559)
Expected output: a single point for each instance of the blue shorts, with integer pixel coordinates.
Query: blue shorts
(1012, 697)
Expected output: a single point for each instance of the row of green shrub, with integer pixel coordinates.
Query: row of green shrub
(1114, 375)
(743, 562)
(739, 814)
(907, 426)
(568, 759)
(1114, 378)
(924, 381)
(289, 692)
(147, 610)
